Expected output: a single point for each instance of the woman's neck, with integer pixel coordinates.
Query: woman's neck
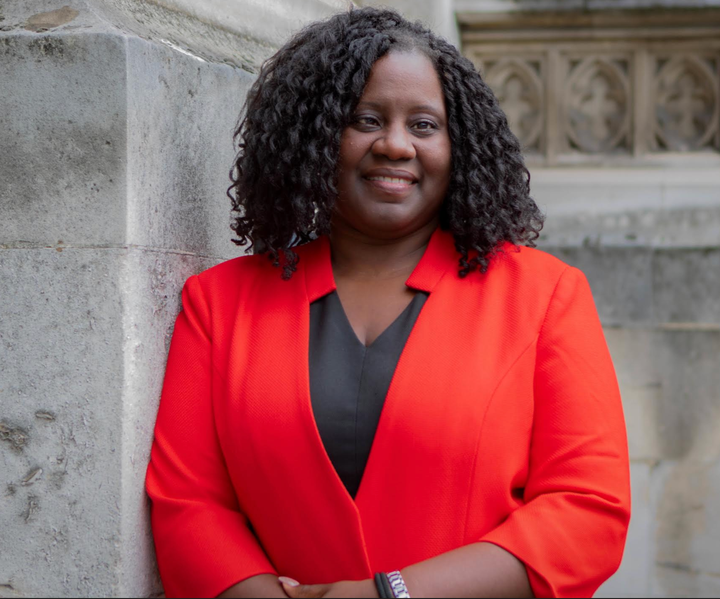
(359, 256)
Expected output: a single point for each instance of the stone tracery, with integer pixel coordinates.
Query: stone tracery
(519, 89)
(586, 100)
(686, 107)
(597, 101)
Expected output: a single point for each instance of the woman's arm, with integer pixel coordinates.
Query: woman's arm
(477, 570)
(202, 538)
(263, 585)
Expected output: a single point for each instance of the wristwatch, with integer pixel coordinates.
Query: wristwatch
(397, 585)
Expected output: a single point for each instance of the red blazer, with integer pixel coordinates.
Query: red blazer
(503, 423)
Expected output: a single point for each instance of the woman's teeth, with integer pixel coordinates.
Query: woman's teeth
(390, 180)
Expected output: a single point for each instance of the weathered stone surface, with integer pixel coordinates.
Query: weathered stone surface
(674, 536)
(239, 32)
(61, 360)
(176, 186)
(152, 282)
(672, 207)
(82, 369)
(632, 578)
(621, 280)
(670, 384)
(686, 286)
(62, 111)
(688, 529)
(641, 285)
(439, 15)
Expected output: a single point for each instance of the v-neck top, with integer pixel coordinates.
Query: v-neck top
(349, 381)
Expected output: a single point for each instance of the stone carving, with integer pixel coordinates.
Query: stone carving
(686, 105)
(597, 101)
(574, 101)
(519, 89)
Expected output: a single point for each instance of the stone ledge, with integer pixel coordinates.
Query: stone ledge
(490, 6)
(560, 15)
(675, 289)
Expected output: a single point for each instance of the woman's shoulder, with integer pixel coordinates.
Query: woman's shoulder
(249, 272)
(528, 262)
(229, 270)
(530, 271)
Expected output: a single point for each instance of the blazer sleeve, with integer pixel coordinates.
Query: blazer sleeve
(570, 533)
(203, 542)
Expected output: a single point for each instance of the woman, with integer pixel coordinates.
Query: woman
(401, 388)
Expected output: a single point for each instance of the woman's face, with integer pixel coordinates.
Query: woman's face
(394, 165)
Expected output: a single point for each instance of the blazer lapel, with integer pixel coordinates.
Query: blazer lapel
(305, 518)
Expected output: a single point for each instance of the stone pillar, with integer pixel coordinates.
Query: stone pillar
(117, 120)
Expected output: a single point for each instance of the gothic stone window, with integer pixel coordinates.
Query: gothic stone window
(603, 88)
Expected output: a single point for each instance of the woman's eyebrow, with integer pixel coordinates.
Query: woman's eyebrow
(418, 107)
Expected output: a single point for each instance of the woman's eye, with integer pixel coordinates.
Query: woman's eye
(424, 126)
(367, 121)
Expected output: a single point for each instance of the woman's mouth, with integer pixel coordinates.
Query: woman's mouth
(391, 180)
(390, 185)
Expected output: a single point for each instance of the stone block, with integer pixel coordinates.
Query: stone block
(674, 207)
(81, 374)
(687, 529)
(689, 227)
(177, 188)
(674, 535)
(63, 104)
(633, 577)
(686, 286)
(621, 280)
(152, 282)
(61, 360)
(94, 119)
(643, 285)
(669, 382)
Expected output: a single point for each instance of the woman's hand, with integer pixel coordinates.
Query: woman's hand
(344, 588)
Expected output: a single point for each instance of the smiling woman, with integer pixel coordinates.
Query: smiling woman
(396, 397)
(394, 166)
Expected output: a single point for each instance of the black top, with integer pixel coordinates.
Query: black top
(349, 382)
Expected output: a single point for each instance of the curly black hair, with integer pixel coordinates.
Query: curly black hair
(284, 180)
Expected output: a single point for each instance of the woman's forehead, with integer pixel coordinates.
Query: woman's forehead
(407, 76)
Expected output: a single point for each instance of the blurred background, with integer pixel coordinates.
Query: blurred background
(116, 119)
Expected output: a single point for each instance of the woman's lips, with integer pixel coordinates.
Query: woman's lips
(392, 185)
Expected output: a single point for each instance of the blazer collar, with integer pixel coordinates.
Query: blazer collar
(439, 256)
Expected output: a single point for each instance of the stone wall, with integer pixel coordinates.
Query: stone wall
(439, 15)
(117, 120)
(629, 176)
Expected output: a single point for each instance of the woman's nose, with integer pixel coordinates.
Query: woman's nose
(395, 143)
